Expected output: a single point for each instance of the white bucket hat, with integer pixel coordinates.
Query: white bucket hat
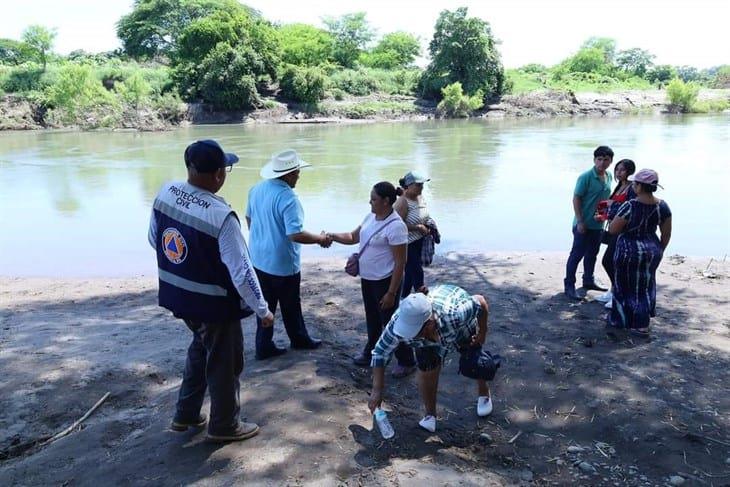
(283, 163)
(414, 311)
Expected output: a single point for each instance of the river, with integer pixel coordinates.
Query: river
(78, 203)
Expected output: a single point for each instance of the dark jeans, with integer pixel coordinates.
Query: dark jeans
(607, 260)
(585, 247)
(282, 290)
(215, 361)
(413, 277)
(376, 319)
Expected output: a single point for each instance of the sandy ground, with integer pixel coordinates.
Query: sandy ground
(571, 406)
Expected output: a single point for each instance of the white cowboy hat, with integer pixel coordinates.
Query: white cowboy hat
(283, 163)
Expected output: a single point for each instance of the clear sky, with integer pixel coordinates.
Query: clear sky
(678, 32)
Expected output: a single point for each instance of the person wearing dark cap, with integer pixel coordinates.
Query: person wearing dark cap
(591, 187)
(447, 318)
(275, 219)
(207, 280)
(638, 253)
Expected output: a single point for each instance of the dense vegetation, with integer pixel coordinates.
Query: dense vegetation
(227, 55)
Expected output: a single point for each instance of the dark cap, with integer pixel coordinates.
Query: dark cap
(207, 156)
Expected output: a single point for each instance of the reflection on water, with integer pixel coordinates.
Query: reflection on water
(78, 203)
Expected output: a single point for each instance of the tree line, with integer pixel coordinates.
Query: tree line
(228, 55)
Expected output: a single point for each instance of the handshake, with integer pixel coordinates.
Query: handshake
(325, 240)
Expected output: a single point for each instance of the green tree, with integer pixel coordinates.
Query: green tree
(721, 76)
(228, 79)
(153, 26)
(253, 39)
(305, 84)
(463, 49)
(40, 39)
(395, 50)
(305, 45)
(588, 60)
(134, 90)
(14, 52)
(351, 33)
(635, 61)
(689, 73)
(604, 44)
(77, 92)
(661, 73)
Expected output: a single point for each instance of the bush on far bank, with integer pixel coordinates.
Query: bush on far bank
(456, 104)
(682, 96)
(302, 84)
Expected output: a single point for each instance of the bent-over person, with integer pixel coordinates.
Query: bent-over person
(446, 319)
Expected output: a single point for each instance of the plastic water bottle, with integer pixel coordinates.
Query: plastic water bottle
(381, 419)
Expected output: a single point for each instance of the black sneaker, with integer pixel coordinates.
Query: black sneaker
(310, 344)
(594, 286)
(271, 352)
(571, 294)
(181, 426)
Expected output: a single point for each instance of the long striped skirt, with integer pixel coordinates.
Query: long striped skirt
(634, 287)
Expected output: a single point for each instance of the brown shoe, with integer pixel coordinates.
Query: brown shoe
(243, 431)
(181, 426)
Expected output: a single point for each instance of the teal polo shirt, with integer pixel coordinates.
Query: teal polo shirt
(275, 213)
(590, 189)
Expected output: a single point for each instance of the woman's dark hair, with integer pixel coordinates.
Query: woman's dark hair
(647, 188)
(386, 190)
(402, 183)
(630, 168)
(628, 165)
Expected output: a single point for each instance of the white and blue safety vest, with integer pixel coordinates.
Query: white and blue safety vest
(194, 282)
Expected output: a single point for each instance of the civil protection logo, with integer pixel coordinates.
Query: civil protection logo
(174, 246)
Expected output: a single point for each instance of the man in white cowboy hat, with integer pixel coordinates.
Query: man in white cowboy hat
(447, 318)
(276, 222)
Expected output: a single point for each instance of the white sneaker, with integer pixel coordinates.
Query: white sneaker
(605, 297)
(608, 305)
(484, 406)
(428, 423)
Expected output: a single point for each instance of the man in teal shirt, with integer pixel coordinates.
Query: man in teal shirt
(591, 187)
(276, 223)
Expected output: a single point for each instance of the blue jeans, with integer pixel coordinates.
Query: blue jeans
(585, 247)
(214, 362)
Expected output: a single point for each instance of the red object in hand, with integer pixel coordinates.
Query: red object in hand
(602, 210)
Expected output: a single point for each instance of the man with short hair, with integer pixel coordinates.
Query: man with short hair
(446, 319)
(276, 223)
(591, 187)
(206, 279)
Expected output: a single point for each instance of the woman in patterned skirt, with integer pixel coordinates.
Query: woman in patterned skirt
(638, 253)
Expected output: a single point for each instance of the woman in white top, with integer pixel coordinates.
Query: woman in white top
(383, 238)
(412, 209)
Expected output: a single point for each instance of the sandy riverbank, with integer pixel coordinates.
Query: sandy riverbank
(641, 412)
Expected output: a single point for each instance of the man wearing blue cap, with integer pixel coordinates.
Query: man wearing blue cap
(207, 280)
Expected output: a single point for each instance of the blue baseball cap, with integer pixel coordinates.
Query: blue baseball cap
(207, 156)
